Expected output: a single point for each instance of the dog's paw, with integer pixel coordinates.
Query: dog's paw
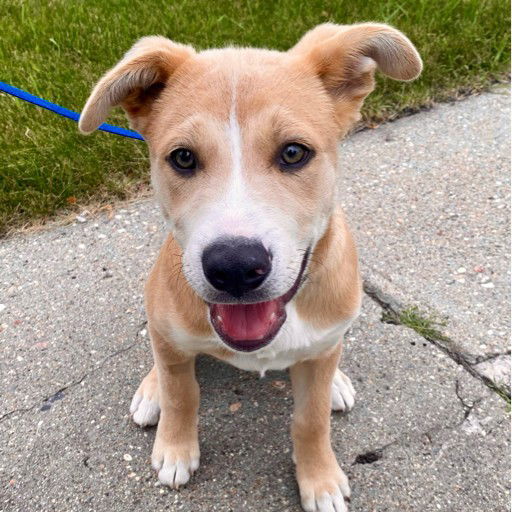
(342, 392)
(175, 465)
(145, 408)
(325, 493)
(326, 503)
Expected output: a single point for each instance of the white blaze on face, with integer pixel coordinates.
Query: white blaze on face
(237, 207)
(236, 186)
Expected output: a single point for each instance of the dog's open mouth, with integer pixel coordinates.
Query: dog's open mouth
(249, 327)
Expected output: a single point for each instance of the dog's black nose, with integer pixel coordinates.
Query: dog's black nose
(236, 265)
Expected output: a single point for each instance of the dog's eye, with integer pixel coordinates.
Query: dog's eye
(183, 161)
(293, 156)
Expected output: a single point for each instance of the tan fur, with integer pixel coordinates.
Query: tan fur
(345, 57)
(176, 437)
(333, 290)
(269, 114)
(169, 298)
(311, 94)
(317, 469)
(150, 61)
(149, 384)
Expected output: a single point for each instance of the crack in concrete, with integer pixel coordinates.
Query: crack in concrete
(51, 397)
(394, 307)
(373, 455)
(491, 356)
(468, 408)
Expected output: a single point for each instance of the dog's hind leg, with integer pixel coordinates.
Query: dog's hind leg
(342, 392)
(145, 406)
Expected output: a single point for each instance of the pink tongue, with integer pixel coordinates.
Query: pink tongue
(247, 321)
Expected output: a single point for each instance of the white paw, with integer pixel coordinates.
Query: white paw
(326, 502)
(332, 499)
(323, 487)
(342, 393)
(145, 407)
(173, 469)
(145, 411)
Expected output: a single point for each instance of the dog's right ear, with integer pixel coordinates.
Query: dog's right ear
(135, 82)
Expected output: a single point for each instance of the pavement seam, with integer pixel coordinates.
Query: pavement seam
(50, 398)
(395, 308)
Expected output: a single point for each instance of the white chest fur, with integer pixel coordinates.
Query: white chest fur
(296, 340)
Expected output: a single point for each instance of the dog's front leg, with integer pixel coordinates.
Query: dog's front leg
(322, 484)
(176, 449)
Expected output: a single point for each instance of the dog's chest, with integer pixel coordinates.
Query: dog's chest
(296, 341)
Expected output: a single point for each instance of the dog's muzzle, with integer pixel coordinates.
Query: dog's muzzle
(250, 327)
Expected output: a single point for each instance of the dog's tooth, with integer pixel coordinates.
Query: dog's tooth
(219, 318)
(273, 316)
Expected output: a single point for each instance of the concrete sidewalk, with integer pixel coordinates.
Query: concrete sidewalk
(428, 200)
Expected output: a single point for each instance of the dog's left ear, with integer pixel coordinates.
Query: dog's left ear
(345, 57)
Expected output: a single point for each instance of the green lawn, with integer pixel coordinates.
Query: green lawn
(57, 49)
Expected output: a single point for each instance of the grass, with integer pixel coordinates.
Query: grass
(428, 326)
(504, 394)
(425, 324)
(58, 48)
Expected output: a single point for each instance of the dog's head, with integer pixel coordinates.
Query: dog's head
(243, 146)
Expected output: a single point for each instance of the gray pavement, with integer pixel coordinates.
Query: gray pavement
(427, 196)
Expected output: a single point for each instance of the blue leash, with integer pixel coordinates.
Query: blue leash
(65, 112)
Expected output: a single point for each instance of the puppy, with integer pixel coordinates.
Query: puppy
(259, 269)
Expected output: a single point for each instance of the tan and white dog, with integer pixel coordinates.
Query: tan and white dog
(259, 269)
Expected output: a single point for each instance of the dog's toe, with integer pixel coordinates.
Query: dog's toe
(327, 501)
(342, 392)
(175, 467)
(325, 494)
(175, 474)
(331, 503)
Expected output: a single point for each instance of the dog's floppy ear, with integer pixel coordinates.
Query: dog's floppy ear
(135, 82)
(345, 58)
